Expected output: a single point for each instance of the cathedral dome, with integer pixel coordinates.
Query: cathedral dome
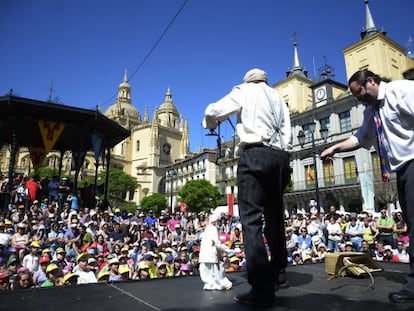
(168, 105)
(122, 109)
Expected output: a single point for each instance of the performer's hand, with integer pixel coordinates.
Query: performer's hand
(327, 154)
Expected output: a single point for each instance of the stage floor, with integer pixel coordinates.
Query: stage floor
(309, 289)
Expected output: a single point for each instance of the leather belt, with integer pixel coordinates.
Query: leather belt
(259, 145)
(253, 145)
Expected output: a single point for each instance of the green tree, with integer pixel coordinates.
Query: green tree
(155, 202)
(289, 187)
(199, 195)
(47, 172)
(118, 184)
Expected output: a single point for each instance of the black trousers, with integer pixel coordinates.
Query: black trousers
(405, 186)
(262, 176)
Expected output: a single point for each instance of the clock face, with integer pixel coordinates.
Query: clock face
(166, 148)
(320, 93)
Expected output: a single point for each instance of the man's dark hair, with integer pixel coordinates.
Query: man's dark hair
(361, 77)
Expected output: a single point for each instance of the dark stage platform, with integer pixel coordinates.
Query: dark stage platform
(309, 289)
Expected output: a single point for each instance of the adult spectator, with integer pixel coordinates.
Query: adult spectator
(117, 218)
(400, 253)
(367, 249)
(86, 238)
(304, 242)
(354, 231)
(173, 222)
(191, 237)
(72, 239)
(63, 191)
(334, 232)
(291, 242)
(385, 225)
(20, 240)
(332, 212)
(21, 193)
(178, 235)
(315, 230)
(369, 233)
(236, 236)
(53, 189)
(73, 201)
(388, 253)
(151, 219)
(401, 229)
(33, 188)
(100, 245)
(117, 235)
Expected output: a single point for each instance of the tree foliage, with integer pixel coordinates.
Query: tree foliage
(289, 187)
(155, 202)
(48, 172)
(199, 195)
(119, 183)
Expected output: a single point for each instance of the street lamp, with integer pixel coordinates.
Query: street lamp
(302, 137)
(171, 174)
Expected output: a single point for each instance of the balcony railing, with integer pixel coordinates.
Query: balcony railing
(335, 181)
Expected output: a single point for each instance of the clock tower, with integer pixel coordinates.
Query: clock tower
(325, 90)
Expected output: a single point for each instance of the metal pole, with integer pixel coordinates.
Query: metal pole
(316, 172)
(171, 194)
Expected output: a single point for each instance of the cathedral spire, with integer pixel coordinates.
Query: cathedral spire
(297, 68)
(185, 140)
(124, 90)
(146, 114)
(168, 96)
(125, 76)
(370, 28)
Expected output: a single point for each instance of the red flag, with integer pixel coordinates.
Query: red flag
(230, 203)
(309, 173)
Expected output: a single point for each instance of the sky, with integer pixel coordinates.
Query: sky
(199, 49)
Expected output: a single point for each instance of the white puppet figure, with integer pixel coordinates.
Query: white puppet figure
(212, 272)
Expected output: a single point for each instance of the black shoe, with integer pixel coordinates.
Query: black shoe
(401, 296)
(253, 297)
(281, 279)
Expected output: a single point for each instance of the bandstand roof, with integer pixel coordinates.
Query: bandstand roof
(19, 120)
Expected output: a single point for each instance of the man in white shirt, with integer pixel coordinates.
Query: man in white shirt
(263, 172)
(391, 105)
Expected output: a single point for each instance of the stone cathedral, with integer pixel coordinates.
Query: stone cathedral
(155, 142)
